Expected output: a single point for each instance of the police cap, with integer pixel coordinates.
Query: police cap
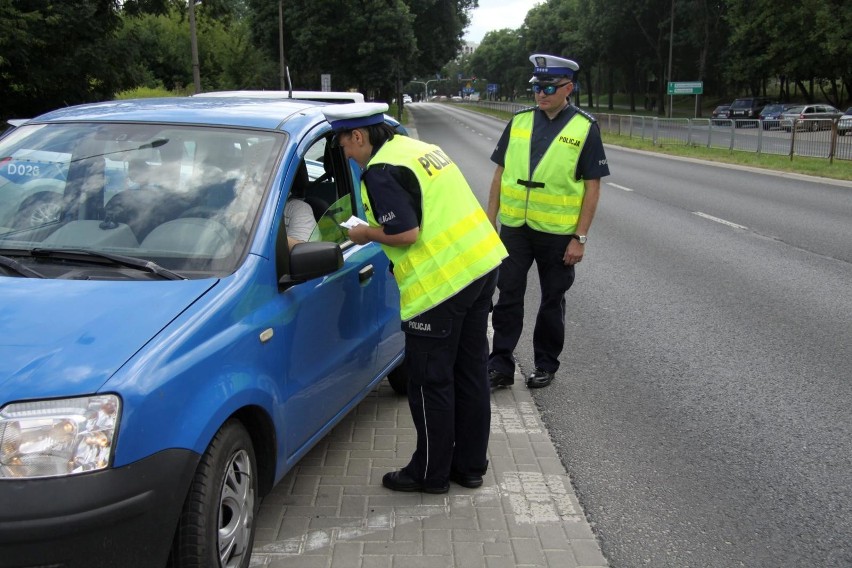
(354, 115)
(550, 69)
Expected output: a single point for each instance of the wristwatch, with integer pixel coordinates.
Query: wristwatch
(581, 238)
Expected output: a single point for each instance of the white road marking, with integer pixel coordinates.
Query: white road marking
(621, 187)
(717, 220)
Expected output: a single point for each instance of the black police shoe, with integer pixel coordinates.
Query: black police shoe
(539, 378)
(498, 379)
(469, 481)
(400, 481)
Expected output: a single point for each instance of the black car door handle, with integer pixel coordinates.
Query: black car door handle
(365, 273)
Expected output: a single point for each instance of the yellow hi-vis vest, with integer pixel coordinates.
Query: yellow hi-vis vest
(550, 199)
(456, 244)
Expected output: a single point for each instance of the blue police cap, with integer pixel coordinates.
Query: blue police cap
(552, 69)
(354, 115)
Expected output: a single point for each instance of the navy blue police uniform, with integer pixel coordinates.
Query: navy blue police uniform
(527, 245)
(446, 350)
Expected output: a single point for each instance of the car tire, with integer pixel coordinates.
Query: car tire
(398, 379)
(217, 524)
(39, 209)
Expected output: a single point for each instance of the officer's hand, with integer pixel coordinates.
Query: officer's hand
(573, 253)
(359, 234)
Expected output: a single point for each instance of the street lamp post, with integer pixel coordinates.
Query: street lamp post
(426, 86)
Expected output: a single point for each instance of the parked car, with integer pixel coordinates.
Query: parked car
(165, 356)
(721, 114)
(744, 111)
(809, 117)
(406, 99)
(770, 116)
(844, 124)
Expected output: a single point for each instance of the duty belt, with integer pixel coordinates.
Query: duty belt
(530, 183)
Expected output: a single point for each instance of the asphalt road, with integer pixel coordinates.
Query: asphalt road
(704, 404)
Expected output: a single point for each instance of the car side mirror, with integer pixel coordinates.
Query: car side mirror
(311, 260)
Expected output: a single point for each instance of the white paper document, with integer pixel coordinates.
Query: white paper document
(352, 221)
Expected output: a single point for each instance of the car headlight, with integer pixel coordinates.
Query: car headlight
(49, 438)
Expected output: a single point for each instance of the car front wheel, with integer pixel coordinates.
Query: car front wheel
(216, 526)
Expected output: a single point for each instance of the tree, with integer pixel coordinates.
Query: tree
(58, 52)
(502, 60)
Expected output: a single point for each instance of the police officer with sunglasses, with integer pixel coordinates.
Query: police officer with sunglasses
(545, 189)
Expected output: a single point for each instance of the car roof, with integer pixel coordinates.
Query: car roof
(320, 96)
(270, 114)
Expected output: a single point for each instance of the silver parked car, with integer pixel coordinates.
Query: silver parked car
(809, 117)
(844, 125)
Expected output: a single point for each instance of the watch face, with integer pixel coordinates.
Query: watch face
(582, 239)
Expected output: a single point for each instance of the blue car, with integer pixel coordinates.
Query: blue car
(165, 355)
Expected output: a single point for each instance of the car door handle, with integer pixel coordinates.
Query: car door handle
(365, 273)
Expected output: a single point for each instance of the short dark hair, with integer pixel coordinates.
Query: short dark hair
(380, 133)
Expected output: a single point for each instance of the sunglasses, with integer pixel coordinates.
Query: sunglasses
(548, 89)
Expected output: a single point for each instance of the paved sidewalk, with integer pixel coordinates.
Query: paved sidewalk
(332, 511)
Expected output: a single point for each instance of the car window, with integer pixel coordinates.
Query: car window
(184, 197)
(327, 192)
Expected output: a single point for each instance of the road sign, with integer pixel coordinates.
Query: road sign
(686, 88)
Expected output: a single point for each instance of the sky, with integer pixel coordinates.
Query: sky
(496, 15)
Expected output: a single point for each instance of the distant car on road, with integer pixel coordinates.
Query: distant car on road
(844, 125)
(809, 117)
(721, 114)
(406, 99)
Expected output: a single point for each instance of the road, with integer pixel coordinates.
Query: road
(704, 404)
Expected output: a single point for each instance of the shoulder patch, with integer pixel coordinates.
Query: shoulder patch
(580, 111)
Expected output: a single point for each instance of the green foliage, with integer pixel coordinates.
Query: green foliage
(503, 60)
(150, 93)
(60, 52)
(56, 53)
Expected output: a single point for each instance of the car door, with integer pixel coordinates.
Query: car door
(332, 331)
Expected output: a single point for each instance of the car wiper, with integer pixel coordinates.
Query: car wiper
(21, 269)
(120, 259)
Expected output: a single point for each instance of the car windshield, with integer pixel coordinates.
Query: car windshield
(742, 103)
(795, 110)
(773, 108)
(182, 197)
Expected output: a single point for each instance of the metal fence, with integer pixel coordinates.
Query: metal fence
(810, 138)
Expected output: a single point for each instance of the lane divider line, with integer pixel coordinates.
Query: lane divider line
(717, 220)
(621, 187)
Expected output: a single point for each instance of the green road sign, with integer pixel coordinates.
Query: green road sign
(686, 88)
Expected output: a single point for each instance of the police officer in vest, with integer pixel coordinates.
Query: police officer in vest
(545, 190)
(445, 256)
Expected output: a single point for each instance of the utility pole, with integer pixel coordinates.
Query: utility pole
(193, 43)
(671, 40)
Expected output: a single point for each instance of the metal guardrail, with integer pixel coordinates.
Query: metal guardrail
(811, 138)
(807, 138)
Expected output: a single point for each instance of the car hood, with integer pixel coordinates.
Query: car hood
(67, 338)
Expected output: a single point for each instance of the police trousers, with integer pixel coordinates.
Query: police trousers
(525, 246)
(446, 357)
